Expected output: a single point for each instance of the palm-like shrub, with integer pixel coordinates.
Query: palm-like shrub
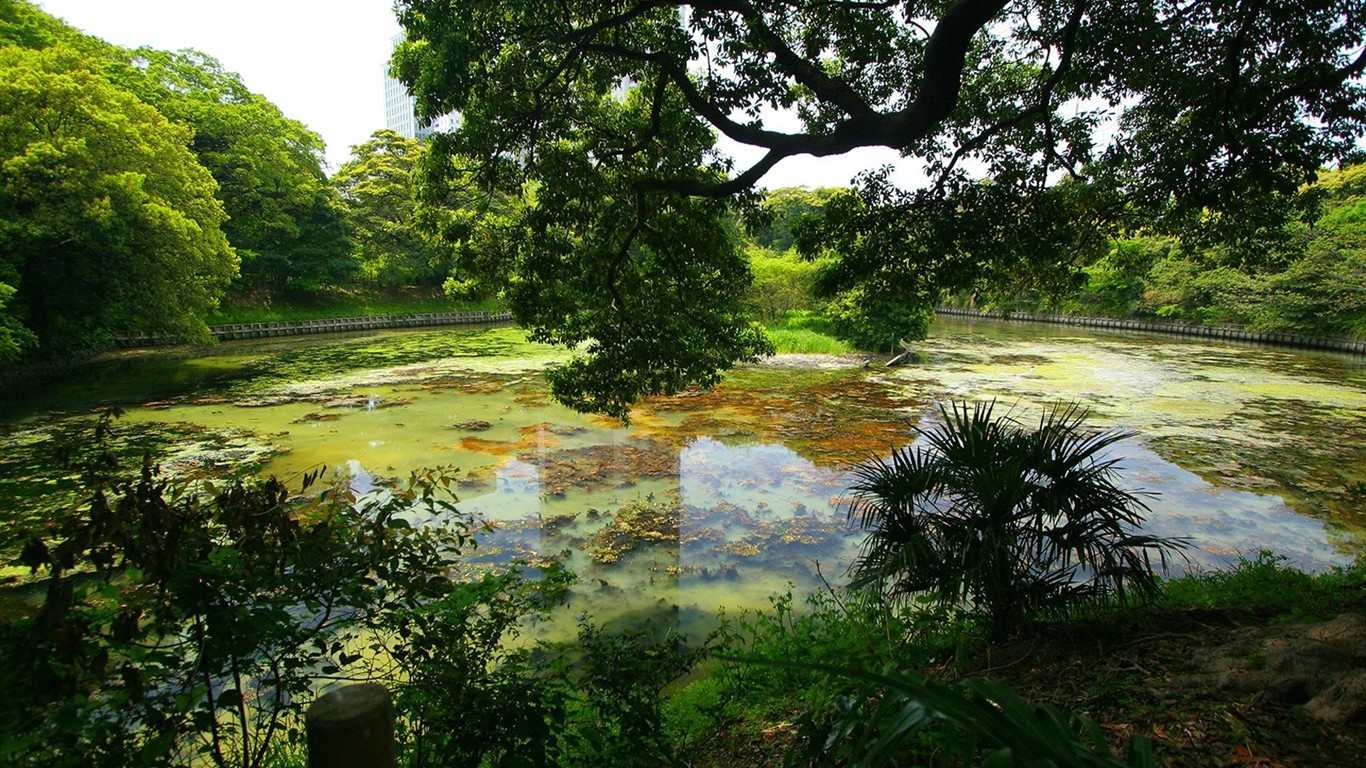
(1008, 521)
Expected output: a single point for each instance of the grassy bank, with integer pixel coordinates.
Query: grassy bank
(806, 333)
(794, 333)
(334, 303)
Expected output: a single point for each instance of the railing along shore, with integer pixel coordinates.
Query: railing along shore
(1227, 332)
(238, 331)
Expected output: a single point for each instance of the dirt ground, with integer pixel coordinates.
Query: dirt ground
(1209, 688)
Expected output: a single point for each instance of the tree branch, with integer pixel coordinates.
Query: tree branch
(826, 88)
(1067, 46)
(945, 56)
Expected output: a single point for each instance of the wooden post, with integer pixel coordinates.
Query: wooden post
(352, 727)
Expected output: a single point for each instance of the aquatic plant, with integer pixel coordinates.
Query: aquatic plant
(1004, 520)
(639, 523)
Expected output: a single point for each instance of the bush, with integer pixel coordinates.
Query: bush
(1007, 521)
(782, 284)
(467, 692)
(189, 622)
(961, 723)
(878, 322)
(1116, 281)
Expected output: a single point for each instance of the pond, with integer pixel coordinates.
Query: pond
(720, 499)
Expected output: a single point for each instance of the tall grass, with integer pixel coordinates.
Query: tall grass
(1268, 586)
(807, 343)
(802, 332)
(334, 304)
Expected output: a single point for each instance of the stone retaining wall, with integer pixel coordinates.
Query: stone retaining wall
(1227, 332)
(334, 325)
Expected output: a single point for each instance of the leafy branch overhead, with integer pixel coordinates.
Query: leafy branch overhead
(1172, 115)
(942, 81)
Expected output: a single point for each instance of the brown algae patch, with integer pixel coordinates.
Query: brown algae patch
(604, 465)
(833, 418)
(638, 523)
(502, 448)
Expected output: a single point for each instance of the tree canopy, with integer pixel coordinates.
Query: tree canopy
(107, 222)
(124, 170)
(376, 185)
(783, 210)
(1040, 128)
(284, 219)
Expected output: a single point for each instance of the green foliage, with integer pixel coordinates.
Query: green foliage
(804, 342)
(837, 656)
(14, 337)
(618, 719)
(333, 303)
(1115, 282)
(648, 285)
(1007, 521)
(815, 631)
(804, 332)
(851, 714)
(470, 693)
(782, 211)
(1245, 181)
(964, 722)
(835, 628)
(284, 219)
(1309, 282)
(1323, 293)
(984, 238)
(378, 188)
(1265, 586)
(24, 25)
(1207, 121)
(107, 222)
(127, 240)
(1317, 292)
(812, 322)
(783, 283)
(480, 228)
(877, 322)
(189, 622)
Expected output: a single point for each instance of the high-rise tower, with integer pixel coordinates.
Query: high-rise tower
(400, 108)
(399, 111)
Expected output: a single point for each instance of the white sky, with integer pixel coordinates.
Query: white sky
(322, 62)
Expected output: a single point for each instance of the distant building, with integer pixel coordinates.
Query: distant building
(400, 108)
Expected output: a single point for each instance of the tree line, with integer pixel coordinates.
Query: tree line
(139, 187)
(1308, 278)
(583, 187)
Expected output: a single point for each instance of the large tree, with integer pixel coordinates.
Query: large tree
(107, 222)
(376, 186)
(1039, 126)
(284, 218)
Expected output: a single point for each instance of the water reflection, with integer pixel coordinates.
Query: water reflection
(703, 526)
(653, 529)
(719, 499)
(1224, 524)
